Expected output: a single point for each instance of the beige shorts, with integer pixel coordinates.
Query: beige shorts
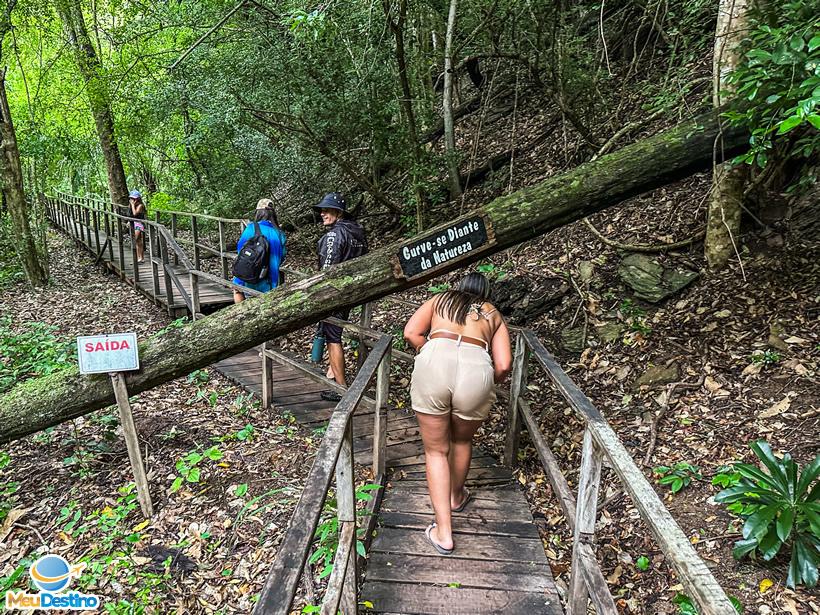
(451, 377)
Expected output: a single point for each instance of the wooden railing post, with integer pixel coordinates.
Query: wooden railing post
(121, 247)
(517, 384)
(346, 513)
(222, 258)
(74, 223)
(174, 234)
(169, 289)
(380, 417)
(152, 242)
(267, 377)
(586, 511)
(135, 266)
(195, 234)
(96, 218)
(194, 295)
(87, 217)
(364, 322)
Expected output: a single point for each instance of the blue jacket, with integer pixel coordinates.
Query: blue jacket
(276, 240)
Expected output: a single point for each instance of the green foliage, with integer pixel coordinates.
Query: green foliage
(778, 86)
(768, 357)
(8, 582)
(726, 477)
(327, 532)
(178, 324)
(635, 318)
(188, 467)
(782, 506)
(8, 497)
(246, 434)
(629, 309)
(200, 378)
(642, 563)
(10, 270)
(492, 271)
(33, 350)
(678, 476)
(687, 607)
(439, 288)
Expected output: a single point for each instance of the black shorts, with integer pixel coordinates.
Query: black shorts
(333, 333)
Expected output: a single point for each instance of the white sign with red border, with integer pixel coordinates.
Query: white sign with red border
(114, 352)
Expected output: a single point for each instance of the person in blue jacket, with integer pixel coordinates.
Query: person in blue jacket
(269, 225)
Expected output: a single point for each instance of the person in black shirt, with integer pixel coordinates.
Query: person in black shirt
(343, 239)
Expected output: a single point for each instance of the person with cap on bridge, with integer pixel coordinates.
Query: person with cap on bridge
(137, 210)
(343, 240)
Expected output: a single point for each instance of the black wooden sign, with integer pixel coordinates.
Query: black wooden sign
(443, 246)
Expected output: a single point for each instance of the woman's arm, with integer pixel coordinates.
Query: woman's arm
(501, 352)
(417, 328)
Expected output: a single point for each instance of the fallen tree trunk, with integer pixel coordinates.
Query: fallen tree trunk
(522, 215)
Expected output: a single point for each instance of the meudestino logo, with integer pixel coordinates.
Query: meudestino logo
(52, 574)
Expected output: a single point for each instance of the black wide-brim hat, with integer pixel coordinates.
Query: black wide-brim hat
(332, 200)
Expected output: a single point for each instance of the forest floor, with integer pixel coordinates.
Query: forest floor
(69, 489)
(740, 352)
(208, 547)
(743, 346)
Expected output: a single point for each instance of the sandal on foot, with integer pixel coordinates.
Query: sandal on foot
(467, 497)
(330, 396)
(436, 546)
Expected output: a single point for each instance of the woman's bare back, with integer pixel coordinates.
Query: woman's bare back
(482, 322)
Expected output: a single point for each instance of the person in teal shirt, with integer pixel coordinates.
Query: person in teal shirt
(269, 226)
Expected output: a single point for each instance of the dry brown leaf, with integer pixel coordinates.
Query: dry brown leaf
(613, 578)
(752, 369)
(777, 408)
(796, 340)
(15, 514)
(711, 384)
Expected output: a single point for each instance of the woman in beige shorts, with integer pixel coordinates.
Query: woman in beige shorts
(463, 349)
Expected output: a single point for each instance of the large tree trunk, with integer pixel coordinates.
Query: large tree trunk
(406, 104)
(447, 106)
(522, 215)
(15, 198)
(728, 182)
(99, 99)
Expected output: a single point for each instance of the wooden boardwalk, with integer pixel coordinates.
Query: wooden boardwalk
(150, 274)
(499, 563)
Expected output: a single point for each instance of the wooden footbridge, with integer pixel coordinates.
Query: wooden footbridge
(499, 565)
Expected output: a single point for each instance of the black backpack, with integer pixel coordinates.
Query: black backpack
(251, 264)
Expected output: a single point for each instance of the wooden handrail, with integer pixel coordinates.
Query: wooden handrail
(103, 202)
(601, 440)
(282, 582)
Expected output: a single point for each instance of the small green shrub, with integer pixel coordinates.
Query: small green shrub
(439, 288)
(188, 467)
(678, 476)
(777, 87)
(769, 357)
(10, 270)
(781, 505)
(32, 351)
(687, 607)
(327, 532)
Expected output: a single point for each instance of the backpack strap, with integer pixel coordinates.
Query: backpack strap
(257, 229)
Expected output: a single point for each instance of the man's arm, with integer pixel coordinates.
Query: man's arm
(329, 250)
